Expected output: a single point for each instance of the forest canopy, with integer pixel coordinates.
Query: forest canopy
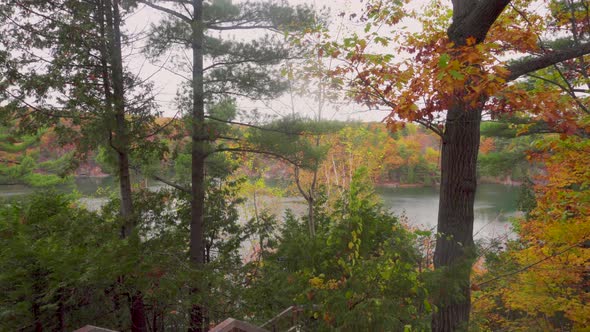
(207, 114)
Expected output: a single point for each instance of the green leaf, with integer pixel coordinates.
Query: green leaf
(443, 61)
(456, 75)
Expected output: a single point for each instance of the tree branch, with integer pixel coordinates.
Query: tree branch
(533, 64)
(171, 184)
(299, 187)
(242, 61)
(251, 150)
(474, 21)
(569, 90)
(578, 244)
(167, 11)
(253, 126)
(242, 27)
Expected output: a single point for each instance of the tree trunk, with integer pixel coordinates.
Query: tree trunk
(125, 189)
(113, 20)
(38, 325)
(38, 288)
(196, 250)
(454, 245)
(454, 251)
(138, 317)
(311, 217)
(122, 139)
(60, 313)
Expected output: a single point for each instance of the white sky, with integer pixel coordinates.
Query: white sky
(166, 83)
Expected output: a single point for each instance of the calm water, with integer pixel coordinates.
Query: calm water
(87, 187)
(494, 204)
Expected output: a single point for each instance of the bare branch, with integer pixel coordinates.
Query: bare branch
(252, 150)
(567, 89)
(242, 27)
(167, 11)
(579, 244)
(253, 126)
(171, 184)
(237, 62)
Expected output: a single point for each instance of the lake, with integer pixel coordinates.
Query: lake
(494, 204)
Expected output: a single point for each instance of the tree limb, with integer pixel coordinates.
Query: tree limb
(533, 64)
(242, 27)
(251, 150)
(578, 244)
(253, 126)
(474, 21)
(167, 11)
(171, 184)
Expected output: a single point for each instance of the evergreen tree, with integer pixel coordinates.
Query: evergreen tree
(66, 71)
(236, 68)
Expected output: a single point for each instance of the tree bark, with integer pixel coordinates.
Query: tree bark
(38, 288)
(309, 198)
(122, 139)
(38, 325)
(60, 312)
(198, 152)
(454, 245)
(138, 317)
(460, 145)
(113, 23)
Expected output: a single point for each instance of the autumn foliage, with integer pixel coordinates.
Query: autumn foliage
(543, 279)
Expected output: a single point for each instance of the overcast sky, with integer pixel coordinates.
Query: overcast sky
(166, 82)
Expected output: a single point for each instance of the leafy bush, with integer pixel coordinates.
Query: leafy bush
(358, 272)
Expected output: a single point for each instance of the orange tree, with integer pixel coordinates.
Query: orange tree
(543, 279)
(557, 241)
(462, 65)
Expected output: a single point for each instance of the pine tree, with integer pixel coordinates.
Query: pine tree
(236, 68)
(66, 71)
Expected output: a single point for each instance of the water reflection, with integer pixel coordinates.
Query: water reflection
(494, 204)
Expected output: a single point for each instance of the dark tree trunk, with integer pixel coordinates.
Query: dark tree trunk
(121, 145)
(37, 317)
(196, 250)
(138, 317)
(38, 288)
(311, 217)
(454, 245)
(454, 251)
(60, 313)
(61, 317)
(122, 140)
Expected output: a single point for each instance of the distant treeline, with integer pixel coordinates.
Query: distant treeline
(408, 156)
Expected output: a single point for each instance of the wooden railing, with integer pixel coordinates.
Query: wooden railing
(293, 318)
(234, 325)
